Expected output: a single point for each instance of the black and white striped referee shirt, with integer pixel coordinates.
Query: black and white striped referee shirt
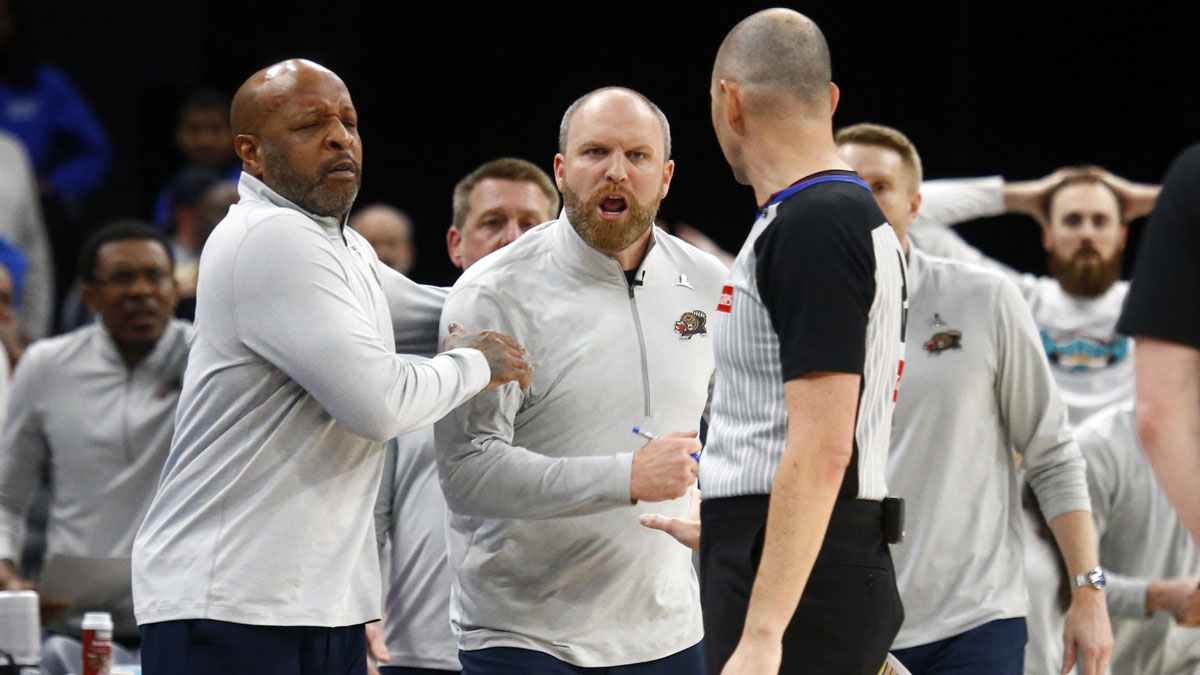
(819, 286)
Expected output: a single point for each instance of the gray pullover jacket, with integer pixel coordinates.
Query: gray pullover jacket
(264, 511)
(103, 429)
(976, 389)
(546, 548)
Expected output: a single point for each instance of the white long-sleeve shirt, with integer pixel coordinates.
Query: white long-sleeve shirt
(1091, 362)
(263, 514)
(103, 430)
(976, 388)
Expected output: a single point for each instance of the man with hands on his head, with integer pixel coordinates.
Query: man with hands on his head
(1084, 215)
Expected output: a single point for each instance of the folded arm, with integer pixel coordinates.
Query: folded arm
(295, 307)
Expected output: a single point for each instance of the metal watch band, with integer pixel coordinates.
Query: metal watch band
(1094, 578)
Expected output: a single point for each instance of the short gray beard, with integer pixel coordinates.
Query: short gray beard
(312, 196)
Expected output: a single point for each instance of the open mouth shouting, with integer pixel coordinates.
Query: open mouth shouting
(612, 206)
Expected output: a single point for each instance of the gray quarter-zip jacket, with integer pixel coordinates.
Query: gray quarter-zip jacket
(264, 511)
(976, 389)
(104, 429)
(545, 545)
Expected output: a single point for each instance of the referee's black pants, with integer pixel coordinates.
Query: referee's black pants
(850, 610)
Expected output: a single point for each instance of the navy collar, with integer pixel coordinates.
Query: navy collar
(833, 175)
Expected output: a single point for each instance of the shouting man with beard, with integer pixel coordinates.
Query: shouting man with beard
(1084, 215)
(552, 572)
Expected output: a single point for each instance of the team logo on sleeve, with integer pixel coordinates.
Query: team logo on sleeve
(725, 304)
(940, 342)
(691, 323)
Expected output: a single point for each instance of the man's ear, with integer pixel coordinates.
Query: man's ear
(835, 95)
(249, 150)
(559, 175)
(88, 292)
(735, 104)
(668, 173)
(454, 240)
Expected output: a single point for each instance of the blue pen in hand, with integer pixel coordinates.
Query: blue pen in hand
(649, 436)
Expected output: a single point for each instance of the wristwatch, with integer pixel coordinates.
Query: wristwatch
(1094, 578)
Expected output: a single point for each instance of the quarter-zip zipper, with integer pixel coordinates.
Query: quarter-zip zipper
(637, 322)
(125, 423)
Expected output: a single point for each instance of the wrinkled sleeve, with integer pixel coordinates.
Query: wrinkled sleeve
(483, 473)
(1125, 595)
(23, 450)
(384, 519)
(415, 311)
(295, 308)
(1034, 412)
(948, 202)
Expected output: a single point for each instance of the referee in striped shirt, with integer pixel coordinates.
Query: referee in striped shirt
(795, 569)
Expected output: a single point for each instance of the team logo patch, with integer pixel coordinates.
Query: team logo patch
(725, 304)
(940, 342)
(691, 323)
(1079, 352)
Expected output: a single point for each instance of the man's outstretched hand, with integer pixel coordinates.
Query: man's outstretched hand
(505, 356)
(686, 530)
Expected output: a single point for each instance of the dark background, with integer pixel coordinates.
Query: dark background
(442, 87)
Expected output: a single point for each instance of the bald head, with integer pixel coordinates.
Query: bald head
(263, 92)
(389, 231)
(296, 129)
(777, 54)
(594, 96)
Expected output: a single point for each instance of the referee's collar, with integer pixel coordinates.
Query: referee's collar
(828, 176)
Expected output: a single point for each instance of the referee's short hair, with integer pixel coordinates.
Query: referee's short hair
(882, 136)
(505, 168)
(777, 52)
